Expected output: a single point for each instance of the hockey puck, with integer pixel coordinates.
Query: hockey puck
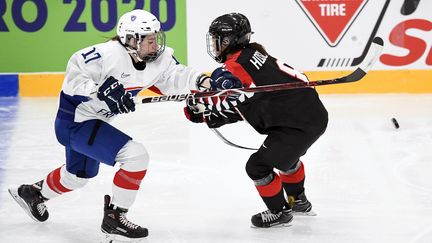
(395, 123)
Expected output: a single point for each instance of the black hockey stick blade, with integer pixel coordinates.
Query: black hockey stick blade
(372, 55)
(370, 59)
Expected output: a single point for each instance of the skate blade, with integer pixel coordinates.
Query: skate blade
(284, 225)
(113, 238)
(22, 203)
(310, 213)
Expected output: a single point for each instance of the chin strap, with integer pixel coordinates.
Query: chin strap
(134, 53)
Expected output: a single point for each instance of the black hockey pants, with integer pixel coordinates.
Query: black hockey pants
(281, 150)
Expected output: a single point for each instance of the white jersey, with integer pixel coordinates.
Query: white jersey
(88, 68)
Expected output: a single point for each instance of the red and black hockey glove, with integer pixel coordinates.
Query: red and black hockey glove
(199, 112)
(194, 111)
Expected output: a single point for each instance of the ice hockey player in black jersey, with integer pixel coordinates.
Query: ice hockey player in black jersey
(292, 119)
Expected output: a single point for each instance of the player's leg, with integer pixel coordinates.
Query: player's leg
(75, 174)
(285, 147)
(293, 184)
(110, 146)
(269, 187)
(133, 160)
(32, 197)
(281, 149)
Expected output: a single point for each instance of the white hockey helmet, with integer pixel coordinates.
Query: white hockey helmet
(137, 24)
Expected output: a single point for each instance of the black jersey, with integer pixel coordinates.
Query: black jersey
(296, 108)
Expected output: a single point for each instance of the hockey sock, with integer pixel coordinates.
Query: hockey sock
(125, 187)
(60, 181)
(270, 190)
(52, 185)
(293, 180)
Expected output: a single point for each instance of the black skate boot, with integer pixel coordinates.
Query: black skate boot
(270, 218)
(300, 205)
(117, 227)
(31, 200)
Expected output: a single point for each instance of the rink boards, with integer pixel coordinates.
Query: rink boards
(380, 81)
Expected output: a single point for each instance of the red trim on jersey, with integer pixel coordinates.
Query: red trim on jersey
(129, 180)
(297, 177)
(235, 68)
(53, 182)
(271, 189)
(155, 89)
(134, 88)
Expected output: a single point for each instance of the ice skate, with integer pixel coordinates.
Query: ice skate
(301, 205)
(117, 228)
(270, 218)
(31, 200)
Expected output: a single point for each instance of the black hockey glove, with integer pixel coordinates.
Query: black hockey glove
(218, 119)
(115, 96)
(199, 112)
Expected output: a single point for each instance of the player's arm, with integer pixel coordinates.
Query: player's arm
(216, 112)
(177, 78)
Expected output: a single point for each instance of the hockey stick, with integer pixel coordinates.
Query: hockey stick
(362, 57)
(225, 140)
(371, 56)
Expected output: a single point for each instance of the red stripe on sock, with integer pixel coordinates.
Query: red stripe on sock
(53, 182)
(271, 189)
(129, 180)
(297, 177)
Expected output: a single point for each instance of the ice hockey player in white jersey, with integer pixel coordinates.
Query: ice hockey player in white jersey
(100, 83)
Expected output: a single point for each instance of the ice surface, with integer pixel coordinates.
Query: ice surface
(368, 181)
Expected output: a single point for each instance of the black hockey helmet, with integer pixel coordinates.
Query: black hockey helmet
(227, 33)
